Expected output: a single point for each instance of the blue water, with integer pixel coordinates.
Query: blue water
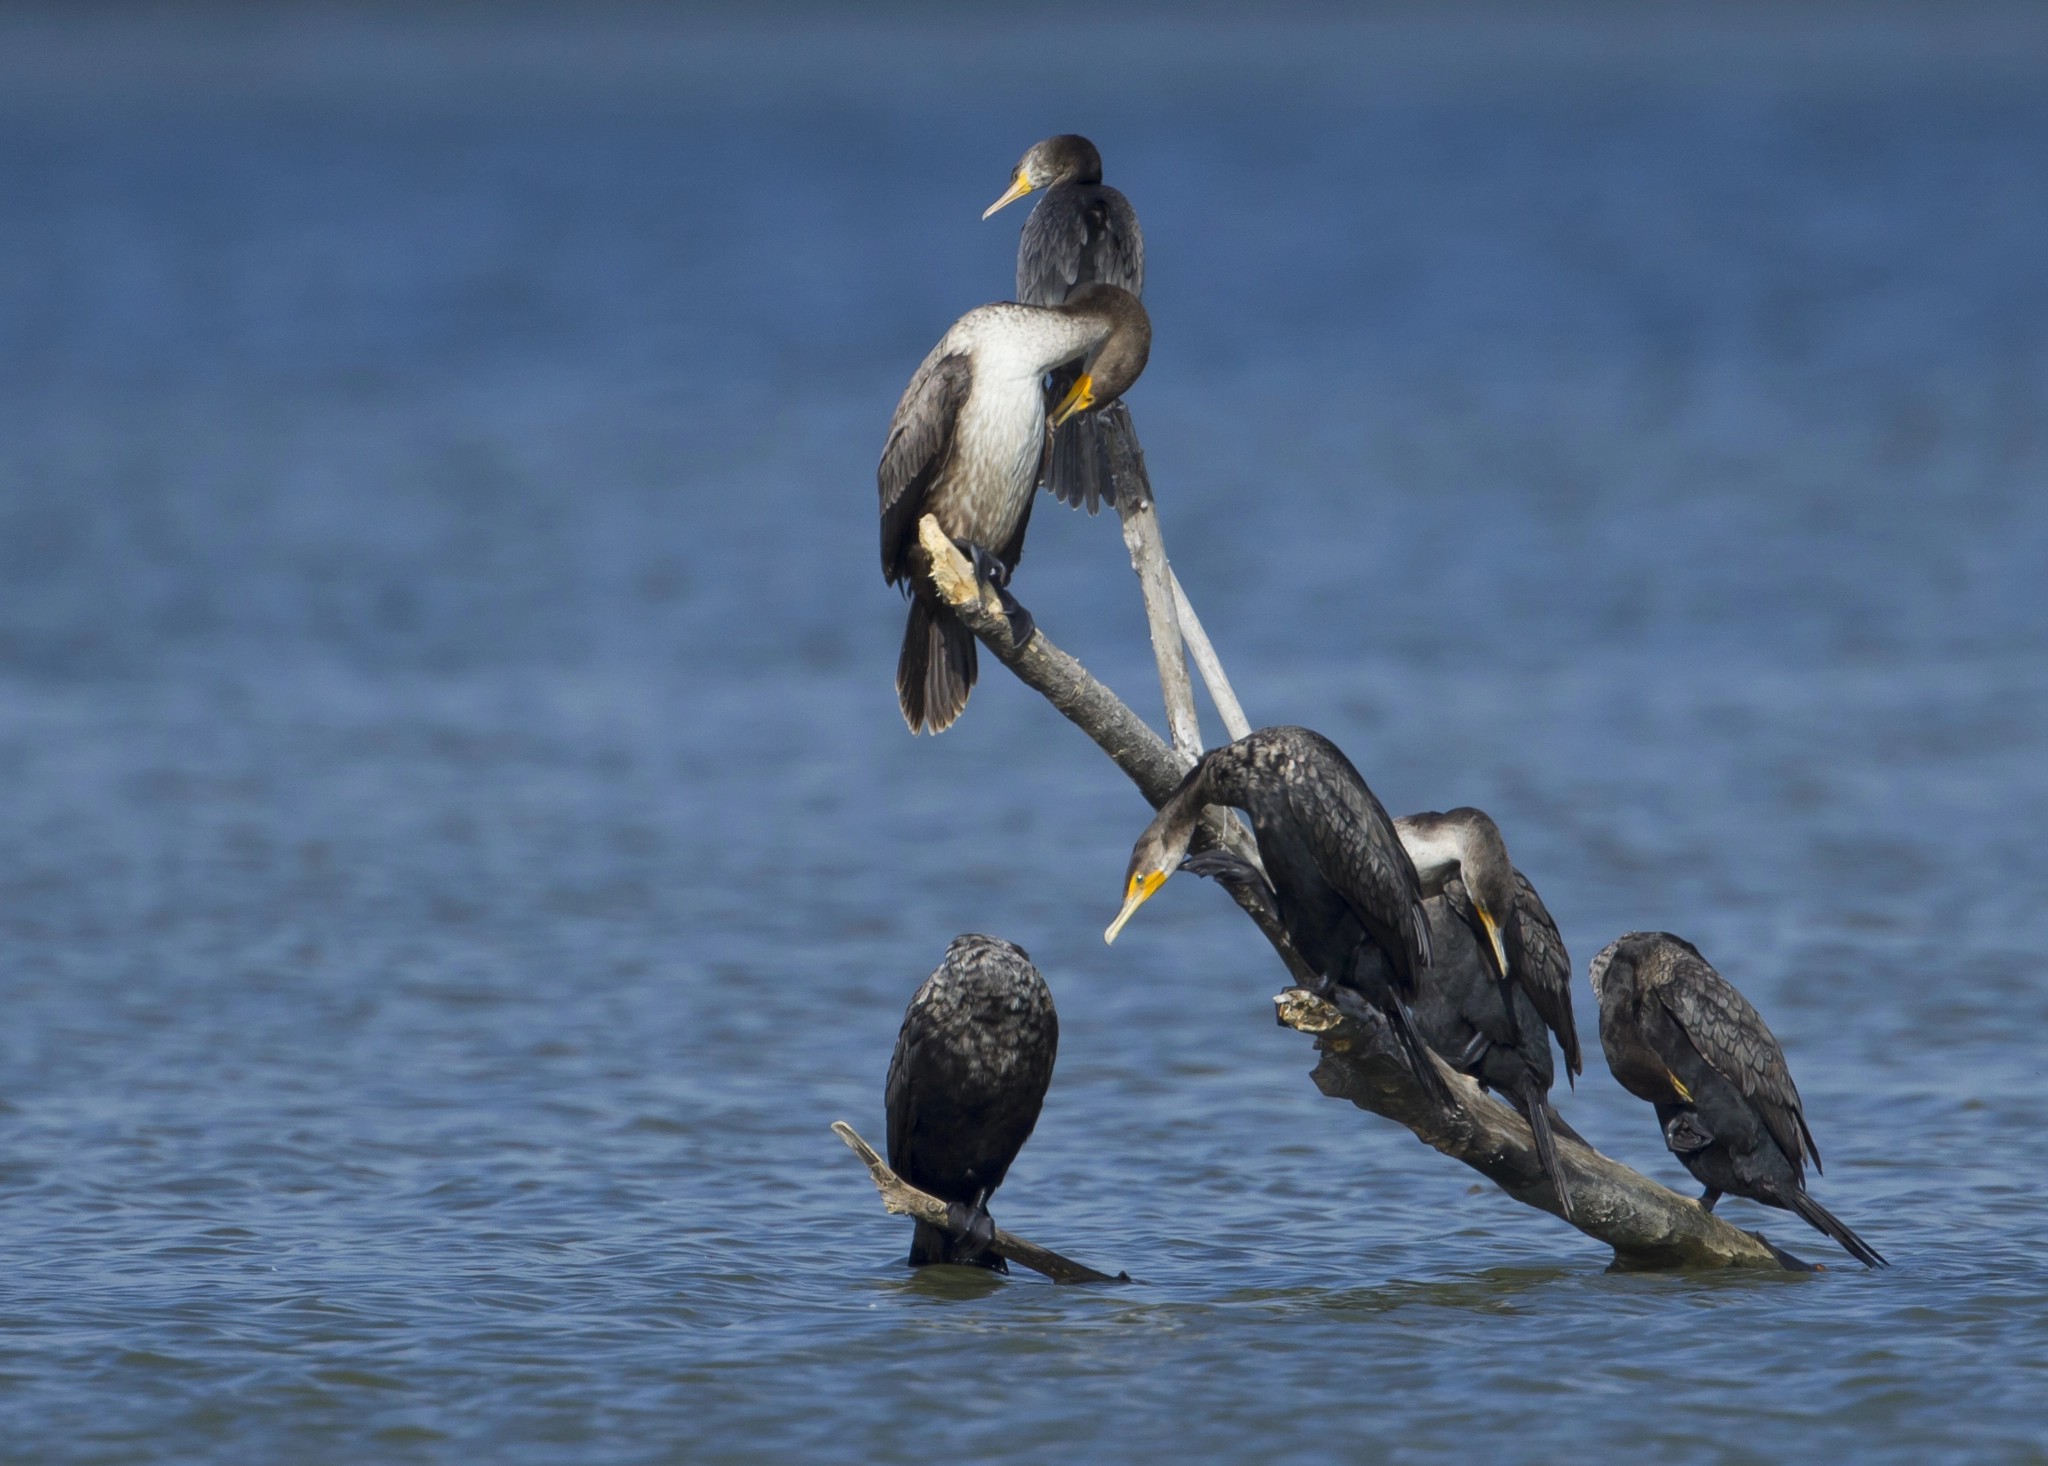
(460, 849)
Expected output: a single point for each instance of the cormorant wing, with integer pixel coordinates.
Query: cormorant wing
(1543, 967)
(1077, 235)
(920, 441)
(1354, 846)
(1733, 1037)
(899, 1103)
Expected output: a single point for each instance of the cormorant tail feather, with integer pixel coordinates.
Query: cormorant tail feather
(936, 668)
(1418, 1053)
(1537, 1113)
(1822, 1220)
(1077, 470)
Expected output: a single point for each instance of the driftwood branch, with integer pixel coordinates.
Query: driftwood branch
(1208, 663)
(902, 1199)
(1148, 559)
(1150, 762)
(1647, 1225)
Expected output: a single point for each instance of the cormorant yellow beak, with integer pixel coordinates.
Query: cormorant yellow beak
(1019, 186)
(1141, 889)
(1679, 1085)
(1080, 397)
(1500, 952)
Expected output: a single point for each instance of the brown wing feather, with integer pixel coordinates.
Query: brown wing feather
(1541, 964)
(920, 442)
(1733, 1037)
(1353, 841)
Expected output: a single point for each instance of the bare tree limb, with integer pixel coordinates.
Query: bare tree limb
(1208, 663)
(1647, 1225)
(902, 1199)
(1152, 764)
(1148, 559)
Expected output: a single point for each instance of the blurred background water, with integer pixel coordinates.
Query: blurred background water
(460, 849)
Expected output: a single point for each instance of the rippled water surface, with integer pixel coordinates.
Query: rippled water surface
(460, 850)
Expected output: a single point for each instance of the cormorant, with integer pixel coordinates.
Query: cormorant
(970, 1071)
(1081, 232)
(966, 445)
(1678, 1035)
(1345, 889)
(1492, 1015)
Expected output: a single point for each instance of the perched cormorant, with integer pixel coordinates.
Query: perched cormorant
(1492, 1015)
(966, 445)
(1081, 232)
(1345, 889)
(970, 1071)
(1678, 1035)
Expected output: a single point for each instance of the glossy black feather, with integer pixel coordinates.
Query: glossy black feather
(1678, 1034)
(1345, 888)
(1078, 234)
(972, 1064)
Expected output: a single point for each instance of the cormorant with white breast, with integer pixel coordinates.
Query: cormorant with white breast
(972, 1064)
(967, 445)
(1490, 1005)
(1081, 232)
(1345, 890)
(1679, 1035)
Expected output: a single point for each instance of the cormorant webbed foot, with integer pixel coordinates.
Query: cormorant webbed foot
(1685, 1135)
(1708, 1198)
(991, 571)
(1234, 873)
(972, 1227)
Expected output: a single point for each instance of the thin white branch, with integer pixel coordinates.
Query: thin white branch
(1208, 664)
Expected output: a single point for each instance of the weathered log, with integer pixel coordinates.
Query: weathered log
(1647, 1225)
(902, 1199)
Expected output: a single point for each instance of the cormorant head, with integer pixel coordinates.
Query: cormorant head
(1160, 849)
(1068, 158)
(1118, 359)
(1467, 844)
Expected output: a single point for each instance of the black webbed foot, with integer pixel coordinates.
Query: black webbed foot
(1685, 1135)
(1234, 873)
(1021, 624)
(972, 1227)
(991, 571)
(1708, 1198)
(986, 566)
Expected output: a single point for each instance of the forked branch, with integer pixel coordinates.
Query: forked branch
(902, 1199)
(1647, 1225)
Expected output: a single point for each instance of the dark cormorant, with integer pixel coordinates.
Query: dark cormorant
(1492, 1015)
(970, 1071)
(966, 445)
(1081, 232)
(1345, 889)
(1678, 1035)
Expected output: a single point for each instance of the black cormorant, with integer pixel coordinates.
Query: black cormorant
(972, 1063)
(1678, 1035)
(1343, 885)
(1081, 232)
(1492, 1015)
(966, 445)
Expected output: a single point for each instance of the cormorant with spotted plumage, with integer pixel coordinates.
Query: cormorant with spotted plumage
(1491, 1004)
(967, 445)
(972, 1063)
(1081, 232)
(1679, 1035)
(1345, 890)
